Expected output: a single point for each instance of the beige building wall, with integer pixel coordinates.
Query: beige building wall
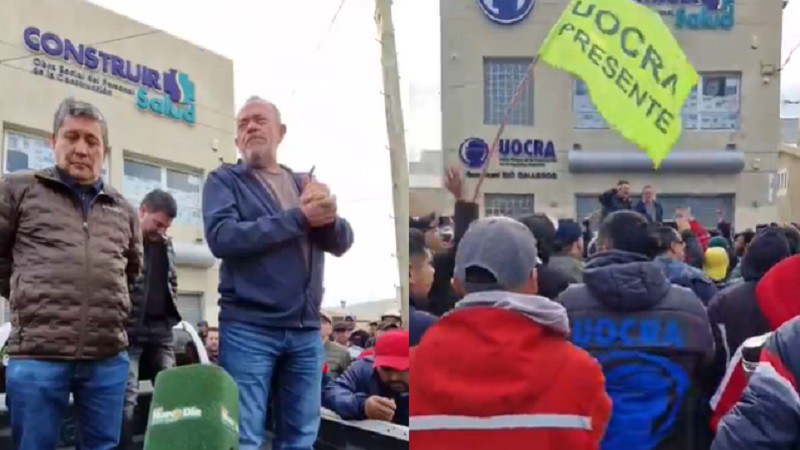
(178, 153)
(787, 184)
(752, 47)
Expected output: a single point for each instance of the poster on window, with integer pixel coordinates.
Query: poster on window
(712, 121)
(581, 102)
(589, 121)
(26, 152)
(689, 121)
(720, 94)
(136, 188)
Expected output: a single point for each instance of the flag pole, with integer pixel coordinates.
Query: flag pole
(511, 107)
(395, 129)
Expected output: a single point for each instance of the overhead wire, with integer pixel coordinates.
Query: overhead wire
(791, 54)
(321, 41)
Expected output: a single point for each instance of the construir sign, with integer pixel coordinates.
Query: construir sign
(174, 92)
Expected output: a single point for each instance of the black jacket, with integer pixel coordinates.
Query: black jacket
(652, 339)
(641, 208)
(611, 202)
(138, 331)
(552, 282)
(735, 312)
(442, 298)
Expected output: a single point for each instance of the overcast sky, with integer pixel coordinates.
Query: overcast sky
(790, 78)
(328, 85)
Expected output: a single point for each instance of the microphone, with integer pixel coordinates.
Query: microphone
(194, 407)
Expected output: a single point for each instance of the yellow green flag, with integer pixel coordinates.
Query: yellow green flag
(637, 75)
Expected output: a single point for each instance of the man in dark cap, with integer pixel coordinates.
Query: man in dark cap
(568, 247)
(341, 333)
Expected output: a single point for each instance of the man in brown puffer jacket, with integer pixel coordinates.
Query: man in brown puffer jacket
(69, 247)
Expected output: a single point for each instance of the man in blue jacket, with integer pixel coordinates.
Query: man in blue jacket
(768, 414)
(271, 228)
(374, 387)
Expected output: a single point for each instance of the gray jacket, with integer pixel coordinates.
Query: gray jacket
(571, 268)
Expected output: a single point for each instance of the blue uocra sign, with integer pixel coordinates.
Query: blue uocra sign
(474, 152)
(177, 91)
(506, 12)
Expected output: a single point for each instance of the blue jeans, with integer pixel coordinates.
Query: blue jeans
(38, 398)
(250, 354)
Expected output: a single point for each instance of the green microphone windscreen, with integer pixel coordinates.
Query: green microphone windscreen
(194, 407)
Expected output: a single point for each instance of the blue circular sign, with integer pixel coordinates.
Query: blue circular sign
(474, 152)
(506, 12)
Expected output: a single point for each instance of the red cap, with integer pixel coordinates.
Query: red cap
(391, 351)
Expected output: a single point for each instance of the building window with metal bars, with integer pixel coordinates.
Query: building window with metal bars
(501, 77)
(509, 205)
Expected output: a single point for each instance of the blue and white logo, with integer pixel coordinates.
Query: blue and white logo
(506, 12)
(474, 152)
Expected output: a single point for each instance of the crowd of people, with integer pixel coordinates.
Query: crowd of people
(652, 332)
(92, 287)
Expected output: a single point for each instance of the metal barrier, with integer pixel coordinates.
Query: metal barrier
(334, 433)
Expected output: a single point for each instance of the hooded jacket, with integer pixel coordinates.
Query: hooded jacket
(735, 313)
(774, 308)
(768, 414)
(520, 382)
(651, 337)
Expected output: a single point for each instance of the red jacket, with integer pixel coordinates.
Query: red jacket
(701, 233)
(493, 378)
(775, 295)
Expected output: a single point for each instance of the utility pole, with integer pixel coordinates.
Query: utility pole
(397, 143)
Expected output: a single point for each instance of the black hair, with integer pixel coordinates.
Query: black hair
(793, 236)
(544, 231)
(416, 243)
(359, 338)
(621, 182)
(158, 201)
(628, 231)
(664, 238)
(748, 236)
